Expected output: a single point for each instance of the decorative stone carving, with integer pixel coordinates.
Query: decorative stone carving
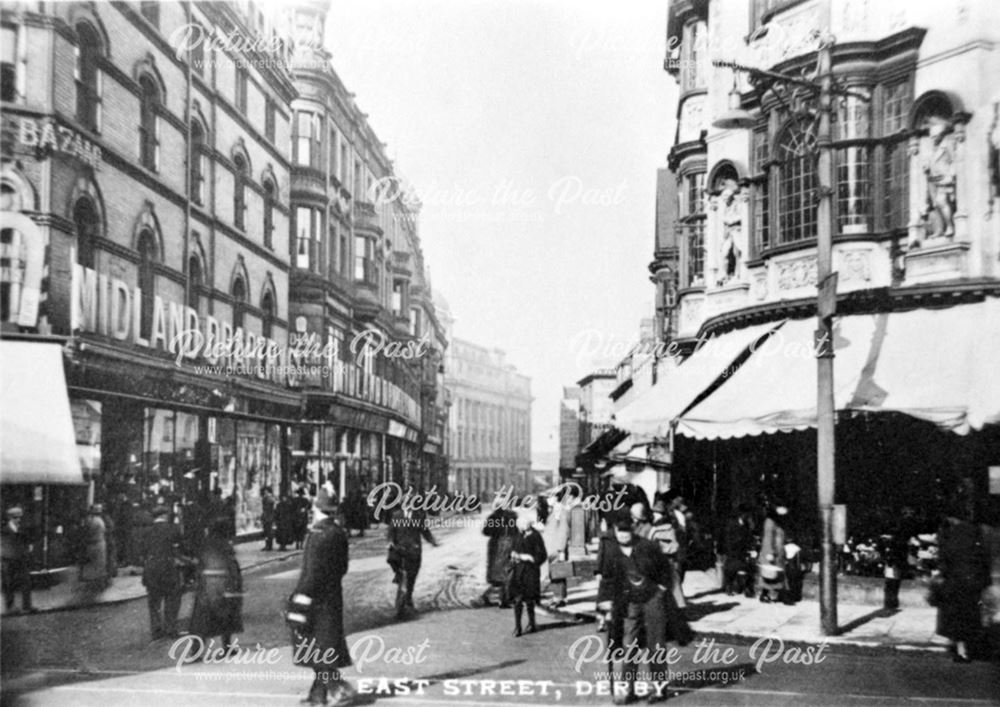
(938, 156)
(793, 274)
(730, 255)
(856, 266)
(760, 286)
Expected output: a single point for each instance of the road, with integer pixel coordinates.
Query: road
(452, 653)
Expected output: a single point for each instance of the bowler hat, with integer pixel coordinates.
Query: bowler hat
(14, 512)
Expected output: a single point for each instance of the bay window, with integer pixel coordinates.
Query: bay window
(308, 224)
(307, 139)
(364, 261)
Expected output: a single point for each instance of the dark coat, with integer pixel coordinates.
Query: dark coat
(15, 548)
(525, 582)
(159, 551)
(355, 511)
(407, 534)
(300, 525)
(218, 604)
(501, 528)
(284, 517)
(966, 572)
(324, 564)
(267, 504)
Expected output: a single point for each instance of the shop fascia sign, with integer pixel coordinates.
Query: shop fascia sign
(47, 136)
(108, 306)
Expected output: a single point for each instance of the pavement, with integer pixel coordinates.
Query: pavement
(712, 613)
(73, 594)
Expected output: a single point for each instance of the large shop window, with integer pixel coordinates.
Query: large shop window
(246, 457)
(88, 76)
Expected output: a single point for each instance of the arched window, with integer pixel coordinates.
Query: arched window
(147, 281)
(239, 192)
(195, 280)
(88, 226)
(239, 294)
(269, 199)
(149, 127)
(88, 76)
(267, 318)
(197, 176)
(795, 152)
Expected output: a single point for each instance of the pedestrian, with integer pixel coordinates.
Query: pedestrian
(501, 529)
(15, 559)
(542, 508)
(284, 518)
(161, 557)
(218, 601)
(634, 589)
(965, 571)
(896, 553)
(408, 529)
(527, 557)
(111, 541)
(771, 561)
(142, 522)
(94, 551)
(663, 534)
(356, 512)
(676, 508)
(267, 505)
(737, 544)
(321, 643)
(640, 520)
(301, 518)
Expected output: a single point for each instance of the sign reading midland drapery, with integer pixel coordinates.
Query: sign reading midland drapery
(108, 306)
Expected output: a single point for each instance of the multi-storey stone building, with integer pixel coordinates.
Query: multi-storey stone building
(489, 422)
(916, 236)
(174, 226)
(358, 286)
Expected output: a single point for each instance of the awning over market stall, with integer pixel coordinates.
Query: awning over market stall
(651, 415)
(37, 439)
(937, 365)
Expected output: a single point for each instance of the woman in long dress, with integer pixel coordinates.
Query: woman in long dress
(771, 561)
(94, 563)
(218, 603)
(965, 568)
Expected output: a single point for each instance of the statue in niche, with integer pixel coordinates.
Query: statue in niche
(732, 228)
(939, 172)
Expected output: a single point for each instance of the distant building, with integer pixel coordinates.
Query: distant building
(490, 420)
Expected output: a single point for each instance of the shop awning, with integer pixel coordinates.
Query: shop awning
(650, 415)
(936, 365)
(37, 440)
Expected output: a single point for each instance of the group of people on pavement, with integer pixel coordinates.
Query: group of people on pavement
(285, 521)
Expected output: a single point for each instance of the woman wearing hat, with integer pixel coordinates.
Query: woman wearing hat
(771, 561)
(94, 559)
(218, 604)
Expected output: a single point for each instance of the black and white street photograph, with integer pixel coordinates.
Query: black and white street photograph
(462, 353)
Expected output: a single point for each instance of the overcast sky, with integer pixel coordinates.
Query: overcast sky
(532, 131)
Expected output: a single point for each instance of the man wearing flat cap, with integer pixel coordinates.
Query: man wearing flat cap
(16, 553)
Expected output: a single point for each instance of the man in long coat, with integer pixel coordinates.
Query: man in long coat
(635, 584)
(218, 603)
(407, 530)
(267, 506)
(322, 645)
(160, 554)
(16, 551)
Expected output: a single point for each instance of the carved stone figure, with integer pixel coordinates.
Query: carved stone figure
(939, 170)
(732, 229)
